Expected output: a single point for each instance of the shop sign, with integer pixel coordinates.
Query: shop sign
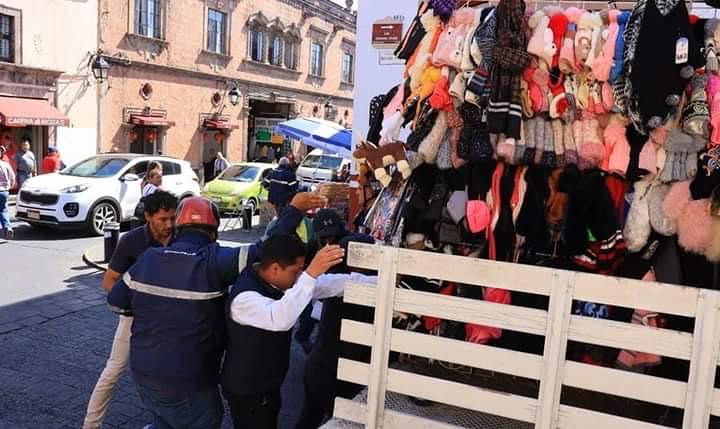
(50, 122)
(387, 57)
(387, 33)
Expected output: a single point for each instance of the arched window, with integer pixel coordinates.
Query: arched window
(276, 42)
(292, 47)
(257, 37)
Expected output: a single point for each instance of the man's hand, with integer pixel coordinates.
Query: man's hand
(326, 258)
(305, 201)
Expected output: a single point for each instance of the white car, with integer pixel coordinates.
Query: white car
(98, 190)
(319, 166)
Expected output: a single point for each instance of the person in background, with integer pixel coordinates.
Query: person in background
(154, 182)
(159, 214)
(220, 164)
(209, 167)
(147, 187)
(52, 162)
(26, 163)
(281, 184)
(7, 182)
(292, 161)
(265, 302)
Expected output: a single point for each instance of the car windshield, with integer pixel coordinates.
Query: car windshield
(239, 173)
(324, 162)
(97, 167)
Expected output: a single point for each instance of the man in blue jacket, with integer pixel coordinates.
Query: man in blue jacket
(177, 297)
(281, 184)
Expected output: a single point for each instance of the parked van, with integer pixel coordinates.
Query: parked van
(319, 166)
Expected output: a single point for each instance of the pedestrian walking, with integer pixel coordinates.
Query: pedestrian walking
(221, 163)
(52, 162)
(7, 182)
(26, 163)
(265, 303)
(281, 184)
(159, 213)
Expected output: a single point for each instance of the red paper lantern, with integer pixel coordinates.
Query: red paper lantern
(219, 136)
(151, 136)
(132, 136)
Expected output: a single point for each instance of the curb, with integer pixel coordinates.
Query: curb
(102, 266)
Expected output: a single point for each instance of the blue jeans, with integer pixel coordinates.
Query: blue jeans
(4, 214)
(195, 410)
(21, 178)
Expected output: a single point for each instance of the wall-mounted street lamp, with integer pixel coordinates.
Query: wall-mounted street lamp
(234, 95)
(330, 111)
(100, 67)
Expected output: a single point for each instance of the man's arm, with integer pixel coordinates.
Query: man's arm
(331, 285)
(119, 297)
(109, 279)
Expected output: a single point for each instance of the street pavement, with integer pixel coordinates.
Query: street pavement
(56, 332)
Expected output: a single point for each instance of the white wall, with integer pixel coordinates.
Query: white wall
(59, 35)
(371, 78)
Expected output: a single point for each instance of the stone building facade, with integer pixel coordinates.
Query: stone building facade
(175, 64)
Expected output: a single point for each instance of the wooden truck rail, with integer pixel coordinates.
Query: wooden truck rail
(697, 397)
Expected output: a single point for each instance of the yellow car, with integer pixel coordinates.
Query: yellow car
(239, 185)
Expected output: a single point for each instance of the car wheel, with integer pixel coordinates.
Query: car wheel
(102, 214)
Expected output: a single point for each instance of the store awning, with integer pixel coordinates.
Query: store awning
(219, 124)
(21, 112)
(150, 121)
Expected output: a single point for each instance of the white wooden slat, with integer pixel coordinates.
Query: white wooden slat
(446, 349)
(716, 403)
(475, 311)
(360, 294)
(355, 412)
(353, 371)
(380, 354)
(462, 395)
(703, 363)
(556, 335)
(474, 271)
(574, 418)
(631, 337)
(664, 298)
(625, 383)
(362, 255)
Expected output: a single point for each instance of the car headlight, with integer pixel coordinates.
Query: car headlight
(75, 189)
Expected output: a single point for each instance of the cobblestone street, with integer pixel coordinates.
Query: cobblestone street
(56, 332)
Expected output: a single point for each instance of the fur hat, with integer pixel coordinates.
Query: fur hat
(541, 42)
(429, 147)
(637, 228)
(694, 226)
(659, 222)
(676, 200)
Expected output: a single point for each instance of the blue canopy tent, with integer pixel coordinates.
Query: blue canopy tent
(319, 134)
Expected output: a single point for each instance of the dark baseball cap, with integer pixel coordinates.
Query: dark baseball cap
(326, 224)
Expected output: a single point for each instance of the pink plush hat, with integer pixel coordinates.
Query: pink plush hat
(541, 43)
(676, 200)
(478, 216)
(695, 226)
(591, 151)
(648, 158)
(603, 63)
(574, 14)
(619, 158)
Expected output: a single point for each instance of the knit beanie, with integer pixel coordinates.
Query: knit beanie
(443, 9)
(617, 67)
(591, 151)
(559, 135)
(457, 88)
(571, 154)
(429, 147)
(711, 60)
(519, 148)
(558, 24)
(637, 227)
(619, 155)
(696, 113)
(549, 158)
(530, 131)
(541, 41)
(541, 140)
(708, 174)
(681, 156)
(713, 93)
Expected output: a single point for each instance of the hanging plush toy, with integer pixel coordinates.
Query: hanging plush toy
(377, 158)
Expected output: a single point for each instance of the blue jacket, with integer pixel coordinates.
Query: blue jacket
(282, 185)
(177, 295)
